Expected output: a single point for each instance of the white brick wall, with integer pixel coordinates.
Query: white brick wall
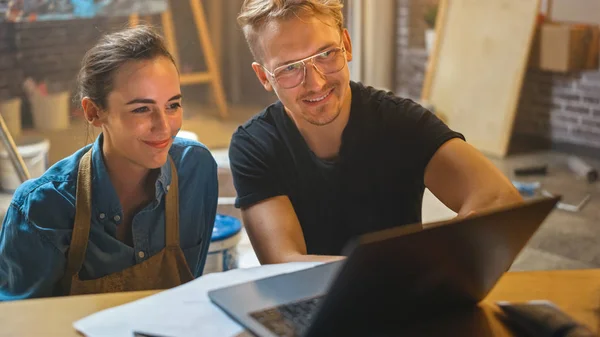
(564, 108)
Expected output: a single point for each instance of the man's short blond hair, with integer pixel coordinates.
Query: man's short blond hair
(255, 14)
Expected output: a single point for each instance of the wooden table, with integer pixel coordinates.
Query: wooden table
(577, 292)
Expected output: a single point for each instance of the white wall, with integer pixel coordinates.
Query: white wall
(372, 30)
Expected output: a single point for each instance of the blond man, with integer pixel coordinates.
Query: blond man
(333, 159)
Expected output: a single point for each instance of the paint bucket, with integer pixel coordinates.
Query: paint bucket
(11, 113)
(50, 112)
(34, 151)
(222, 252)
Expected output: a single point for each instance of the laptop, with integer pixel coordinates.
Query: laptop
(390, 277)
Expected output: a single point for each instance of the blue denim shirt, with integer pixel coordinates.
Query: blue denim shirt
(38, 224)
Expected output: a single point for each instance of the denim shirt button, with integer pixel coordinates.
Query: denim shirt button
(117, 218)
(102, 216)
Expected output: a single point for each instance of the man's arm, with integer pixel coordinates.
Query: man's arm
(275, 232)
(465, 181)
(269, 217)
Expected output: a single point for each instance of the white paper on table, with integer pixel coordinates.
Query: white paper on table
(181, 311)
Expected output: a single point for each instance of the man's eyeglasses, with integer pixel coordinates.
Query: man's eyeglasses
(292, 75)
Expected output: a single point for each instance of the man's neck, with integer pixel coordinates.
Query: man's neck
(325, 141)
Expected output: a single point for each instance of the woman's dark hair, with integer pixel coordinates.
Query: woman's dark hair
(95, 78)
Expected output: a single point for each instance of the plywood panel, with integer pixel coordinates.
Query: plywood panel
(476, 71)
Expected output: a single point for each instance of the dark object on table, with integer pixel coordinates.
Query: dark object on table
(144, 334)
(543, 319)
(541, 170)
(582, 169)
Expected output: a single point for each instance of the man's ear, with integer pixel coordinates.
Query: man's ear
(347, 44)
(262, 76)
(92, 112)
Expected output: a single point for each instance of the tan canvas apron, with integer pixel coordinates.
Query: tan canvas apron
(166, 269)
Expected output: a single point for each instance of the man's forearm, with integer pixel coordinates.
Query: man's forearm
(485, 200)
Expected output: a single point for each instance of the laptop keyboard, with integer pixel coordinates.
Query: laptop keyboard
(288, 320)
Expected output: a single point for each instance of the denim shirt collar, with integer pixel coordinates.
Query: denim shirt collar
(106, 204)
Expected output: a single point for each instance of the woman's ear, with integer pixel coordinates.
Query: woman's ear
(91, 111)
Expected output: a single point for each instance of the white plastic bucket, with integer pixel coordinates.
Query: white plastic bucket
(222, 252)
(34, 151)
(11, 112)
(221, 157)
(187, 135)
(50, 112)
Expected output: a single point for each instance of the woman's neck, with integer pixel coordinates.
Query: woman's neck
(131, 181)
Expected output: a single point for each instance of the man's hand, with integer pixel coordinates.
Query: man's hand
(468, 214)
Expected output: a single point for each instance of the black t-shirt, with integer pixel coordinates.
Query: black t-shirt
(376, 182)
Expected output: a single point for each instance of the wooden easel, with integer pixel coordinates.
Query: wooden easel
(212, 74)
(13, 152)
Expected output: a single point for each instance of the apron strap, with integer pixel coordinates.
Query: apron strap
(83, 214)
(81, 226)
(172, 209)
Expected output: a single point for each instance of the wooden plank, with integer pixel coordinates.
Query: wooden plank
(211, 76)
(169, 32)
(193, 78)
(215, 21)
(475, 76)
(209, 55)
(233, 67)
(134, 20)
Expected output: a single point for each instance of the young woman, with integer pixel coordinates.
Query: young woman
(132, 211)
